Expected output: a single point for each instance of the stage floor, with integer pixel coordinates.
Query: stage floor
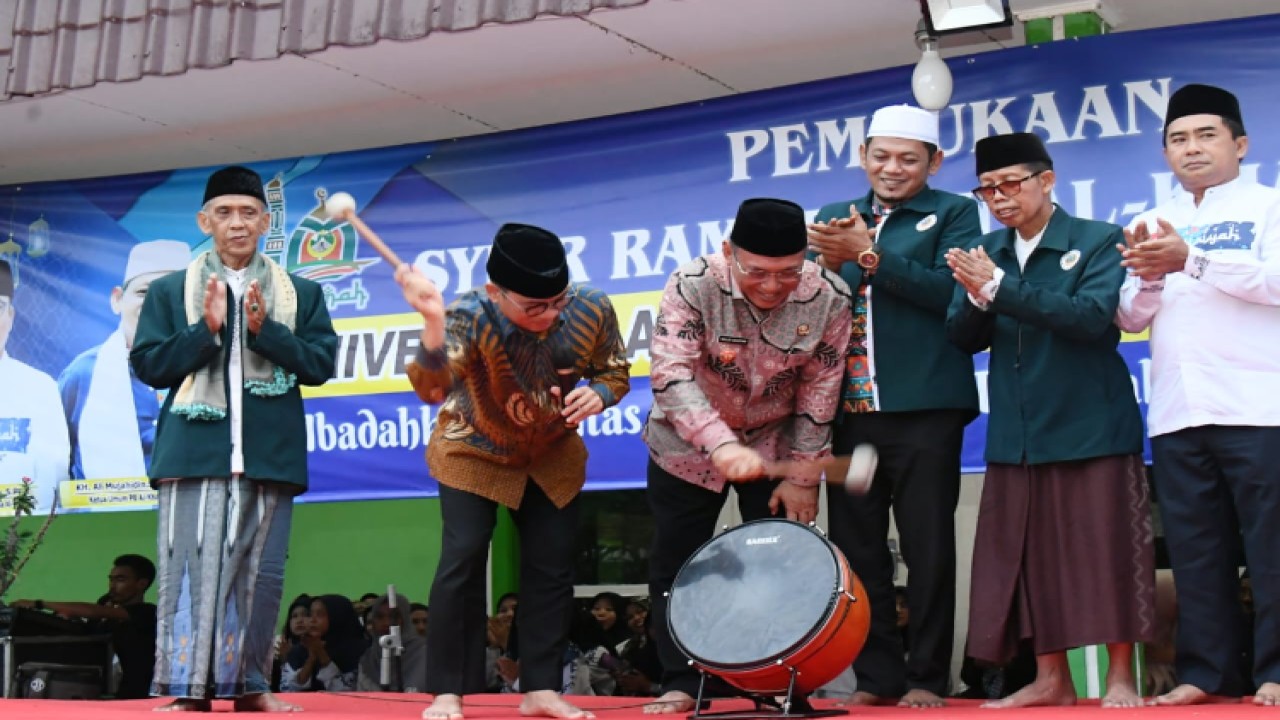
(353, 706)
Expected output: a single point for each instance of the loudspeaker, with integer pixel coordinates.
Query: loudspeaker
(59, 682)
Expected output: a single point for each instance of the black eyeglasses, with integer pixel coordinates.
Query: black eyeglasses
(1008, 188)
(539, 308)
(791, 274)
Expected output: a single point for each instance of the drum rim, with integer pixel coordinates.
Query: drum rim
(832, 602)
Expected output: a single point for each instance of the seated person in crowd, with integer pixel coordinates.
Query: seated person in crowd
(125, 614)
(297, 623)
(418, 614)
(639, 669)
(329, 655)
(497, 638)
(609, 610)
(408, 668)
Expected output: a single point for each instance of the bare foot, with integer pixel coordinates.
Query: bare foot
(671, 702)
(921, 698)
(264, 702)
(444, 707)
(1186, 694)
(862, 697)
(1042, 692)
(1268, 694)
(186, 705)
(1121, 694)
(548, 703)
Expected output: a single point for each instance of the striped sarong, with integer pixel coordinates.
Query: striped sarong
(221, 555)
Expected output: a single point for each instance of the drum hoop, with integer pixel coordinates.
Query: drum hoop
(818, 627)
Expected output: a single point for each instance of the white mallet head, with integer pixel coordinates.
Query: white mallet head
(337, 204)
(862, 469)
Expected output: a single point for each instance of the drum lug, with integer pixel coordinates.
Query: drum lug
(813, 525)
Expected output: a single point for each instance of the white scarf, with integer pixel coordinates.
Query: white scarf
(110, 446)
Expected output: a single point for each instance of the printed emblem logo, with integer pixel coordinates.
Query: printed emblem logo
(1070, 259)
(770, 540)
(320, 248)
(927, 222)
(1220, 236)
(803, 330)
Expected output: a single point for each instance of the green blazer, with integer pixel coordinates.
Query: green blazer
(274, 440)
(1058, 388)
(916, 368)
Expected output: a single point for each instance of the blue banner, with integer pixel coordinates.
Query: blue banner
(634, 196)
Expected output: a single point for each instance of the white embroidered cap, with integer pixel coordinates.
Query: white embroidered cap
(905, 121)
(156, 256)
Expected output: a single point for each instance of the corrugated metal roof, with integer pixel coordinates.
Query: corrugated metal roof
(49, 45)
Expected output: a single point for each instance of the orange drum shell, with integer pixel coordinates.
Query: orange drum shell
(832, 648)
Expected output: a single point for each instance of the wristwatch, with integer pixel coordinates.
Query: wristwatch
(869, 259)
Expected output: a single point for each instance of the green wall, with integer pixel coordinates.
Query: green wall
(348, 548)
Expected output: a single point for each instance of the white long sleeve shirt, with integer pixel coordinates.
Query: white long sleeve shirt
(1215, 325)
(34, 441)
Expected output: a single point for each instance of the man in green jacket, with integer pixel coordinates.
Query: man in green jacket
(909, 392)
(232, 337)
(1063, 555)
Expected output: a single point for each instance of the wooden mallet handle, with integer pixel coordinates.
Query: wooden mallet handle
(372, 238)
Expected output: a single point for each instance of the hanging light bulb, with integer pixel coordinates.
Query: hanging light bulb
(931, 80)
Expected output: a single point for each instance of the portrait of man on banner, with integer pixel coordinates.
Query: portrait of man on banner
(33, 434)
(111, 414)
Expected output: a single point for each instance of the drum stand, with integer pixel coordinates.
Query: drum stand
(792, 705)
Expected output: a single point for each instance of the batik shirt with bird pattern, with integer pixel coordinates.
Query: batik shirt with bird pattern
(725, 371)
(499, 425)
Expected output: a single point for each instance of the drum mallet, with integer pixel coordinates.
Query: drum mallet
(342, 206)
(858, 475)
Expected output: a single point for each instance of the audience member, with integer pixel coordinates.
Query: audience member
(418, 614)
(608, 609)
(328, 656)
(296, 624)
(408, 668)
(126, 615)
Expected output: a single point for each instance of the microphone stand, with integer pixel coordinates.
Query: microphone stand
(392, 650)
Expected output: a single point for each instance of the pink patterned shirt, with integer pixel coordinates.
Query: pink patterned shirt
(723, 371)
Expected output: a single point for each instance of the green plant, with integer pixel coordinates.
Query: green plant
(20, 545)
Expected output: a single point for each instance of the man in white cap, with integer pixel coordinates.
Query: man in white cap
(33, 434)
(110, 412)
(908, 391)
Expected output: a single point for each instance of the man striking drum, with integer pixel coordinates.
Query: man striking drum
(505, 359)
(748, 355)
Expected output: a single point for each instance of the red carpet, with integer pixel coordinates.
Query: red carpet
(484, 707)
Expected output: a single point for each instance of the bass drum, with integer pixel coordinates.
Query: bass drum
(767, 597)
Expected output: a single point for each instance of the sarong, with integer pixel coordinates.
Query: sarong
(221, 558)
(1064, 557)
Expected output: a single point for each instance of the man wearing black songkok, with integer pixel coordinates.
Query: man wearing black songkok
(1205, 278)
(1064, 504)
(506, 360)
(748, 355)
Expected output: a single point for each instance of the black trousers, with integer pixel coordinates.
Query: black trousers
(459, 613)
(1218, 485)
(685, 518)
(918, 479)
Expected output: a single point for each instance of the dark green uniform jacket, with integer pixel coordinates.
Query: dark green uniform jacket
(914, 366)
(1058, 388)
(274, 440)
